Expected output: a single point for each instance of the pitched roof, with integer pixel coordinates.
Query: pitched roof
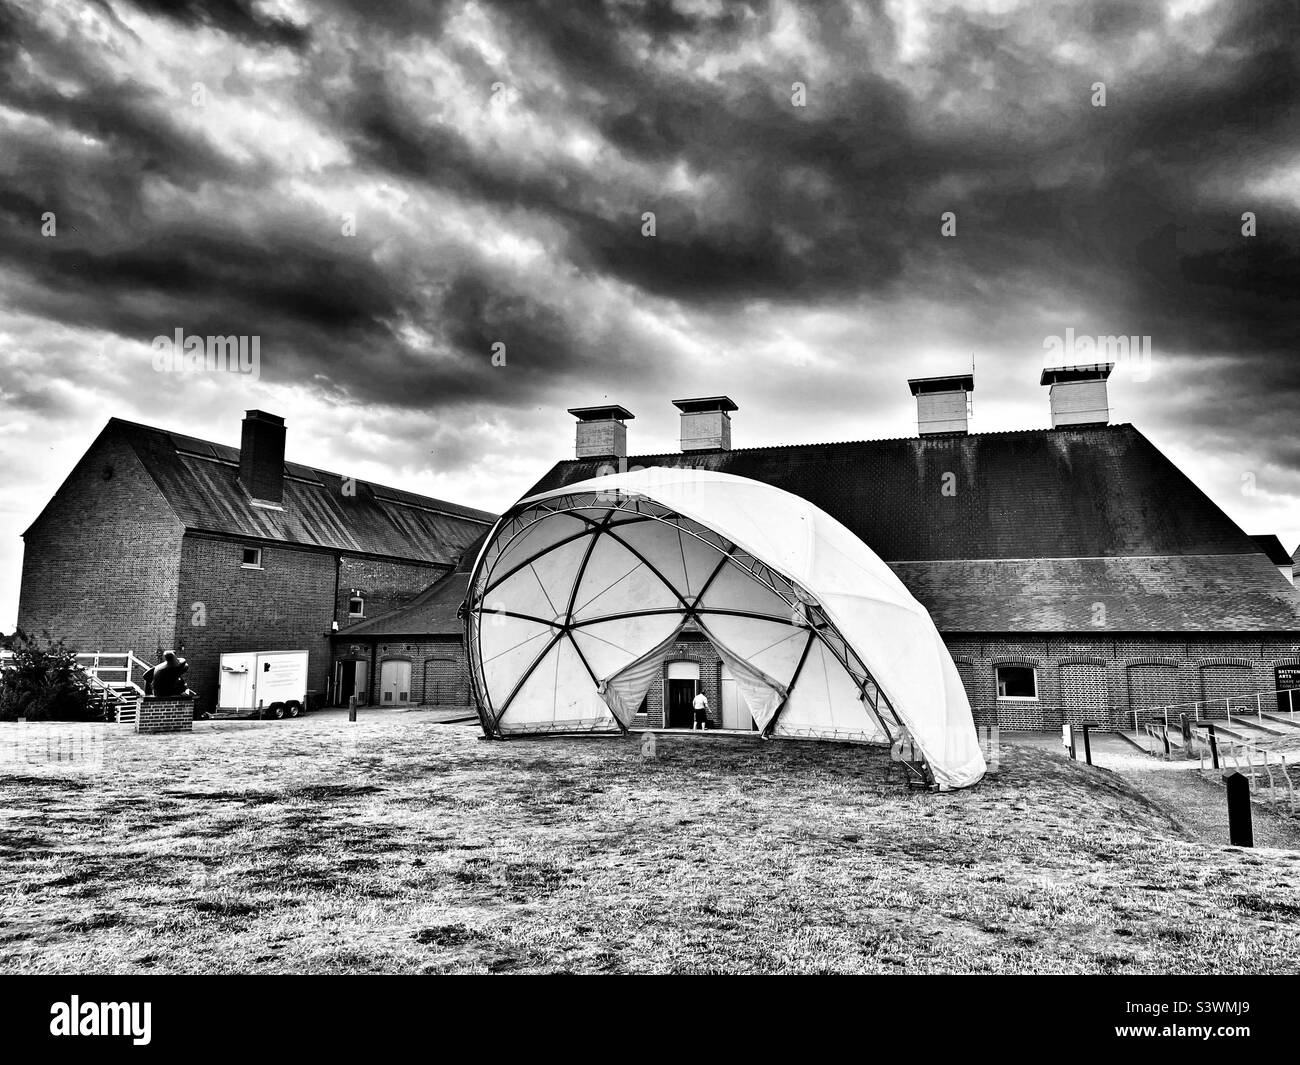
(1019, 531)
(1045, 493)
(433, 612)
(199, 480)
(1170, 593)
(1272, 547)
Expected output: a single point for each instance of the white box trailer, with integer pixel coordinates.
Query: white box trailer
(263, 684)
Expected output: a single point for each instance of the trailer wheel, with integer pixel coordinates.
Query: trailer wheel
(275, 711)
(292, 708)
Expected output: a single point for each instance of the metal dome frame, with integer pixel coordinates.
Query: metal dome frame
(597, 510)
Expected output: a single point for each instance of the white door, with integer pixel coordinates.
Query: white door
(395, 683)
(235, 689)
(735, 711)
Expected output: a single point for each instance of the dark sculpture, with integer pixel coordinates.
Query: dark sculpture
(166, 680)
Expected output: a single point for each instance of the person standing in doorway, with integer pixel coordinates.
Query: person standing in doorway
(701, 705)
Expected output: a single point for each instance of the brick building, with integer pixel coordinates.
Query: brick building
(1074, 572)
(158, 540)
(421, 643)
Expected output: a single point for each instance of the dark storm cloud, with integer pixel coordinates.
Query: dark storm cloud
(797, 261)
(860, 175)
(799, 205)
(396, 18)
(319, 302)
(125, 136)
(239, 18)
(748, 138)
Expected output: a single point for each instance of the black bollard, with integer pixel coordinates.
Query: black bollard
(1240, 831)
(352, 707)
(1087, 745)
(1214, 748)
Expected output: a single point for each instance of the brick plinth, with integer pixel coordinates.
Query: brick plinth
(165, 715)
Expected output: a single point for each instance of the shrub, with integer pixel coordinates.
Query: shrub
(42, 682)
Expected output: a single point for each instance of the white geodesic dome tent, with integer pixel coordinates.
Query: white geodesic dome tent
(580, 594)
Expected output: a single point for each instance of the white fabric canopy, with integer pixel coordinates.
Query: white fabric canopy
(579, 595)
(624, 691)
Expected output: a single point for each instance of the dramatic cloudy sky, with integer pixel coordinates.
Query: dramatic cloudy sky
(201, 158)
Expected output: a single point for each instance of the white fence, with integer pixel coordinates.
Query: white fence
(115, 670)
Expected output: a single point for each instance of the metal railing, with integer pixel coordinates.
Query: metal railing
(1260, 763)
(1251, 704)
(1159, 735)
(1281, 705)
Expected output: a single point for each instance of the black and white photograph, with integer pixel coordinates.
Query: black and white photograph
(650, 487)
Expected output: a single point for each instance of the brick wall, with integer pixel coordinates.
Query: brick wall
(101, 564)
(439, 670)
(444, 674)
(165, 715)
(287, 605)
(1077, 675)
(384, 585)
(690, 649)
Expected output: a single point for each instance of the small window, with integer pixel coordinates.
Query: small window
(252, 558)
(644, 708)
(1017, 682)
(356, 607)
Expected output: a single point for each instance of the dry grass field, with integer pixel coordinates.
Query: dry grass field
(402, 845)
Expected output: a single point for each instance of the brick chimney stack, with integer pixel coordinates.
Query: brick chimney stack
(261, 456)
